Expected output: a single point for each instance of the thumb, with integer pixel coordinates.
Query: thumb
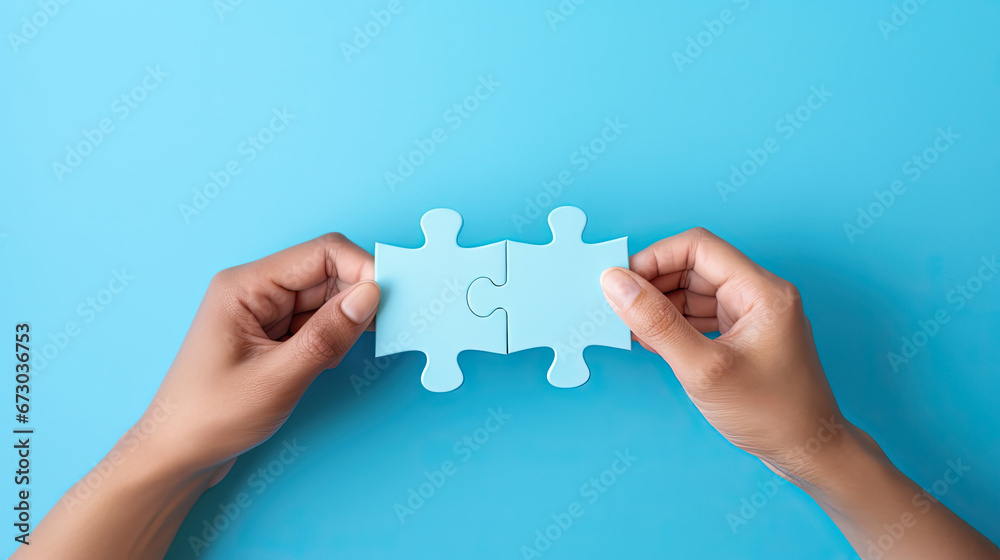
(655, 321)
(331, 332)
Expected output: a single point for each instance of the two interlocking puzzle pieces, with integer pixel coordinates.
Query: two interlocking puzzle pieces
(442, 298)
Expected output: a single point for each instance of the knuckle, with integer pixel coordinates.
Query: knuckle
(701, 233)
(224, 292)
(786, 297)
(718, 364)
(656, 319)
(223, 277)
(333, 237)
(322, 344)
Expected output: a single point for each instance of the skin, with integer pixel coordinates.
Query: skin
(266, 329)
(237, 377)
(761, 385)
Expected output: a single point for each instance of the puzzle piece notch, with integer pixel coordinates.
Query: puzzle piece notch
(478, 299)
(552, 296)
(424, 304)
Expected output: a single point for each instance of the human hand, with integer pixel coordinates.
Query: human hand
(267, 328)
(263, 332)
(760, 383)
(762, 386)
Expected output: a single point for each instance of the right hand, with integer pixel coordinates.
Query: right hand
(760, 383)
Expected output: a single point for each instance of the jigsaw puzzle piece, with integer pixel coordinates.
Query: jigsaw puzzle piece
(424, 305)
(552, 296)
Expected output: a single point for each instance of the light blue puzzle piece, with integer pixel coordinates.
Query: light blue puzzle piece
(553, 297)
(424, 303)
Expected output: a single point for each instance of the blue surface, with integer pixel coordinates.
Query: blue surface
(547, 88)
(552, 297)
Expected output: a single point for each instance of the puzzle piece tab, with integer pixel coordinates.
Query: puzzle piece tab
(553, 297)
(424, 299)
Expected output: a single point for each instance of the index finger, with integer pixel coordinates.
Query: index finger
(302, 266)
(696, 249)
(297, 279)
(697, 260)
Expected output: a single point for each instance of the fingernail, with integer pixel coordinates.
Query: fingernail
(620, 288)
(361, 303)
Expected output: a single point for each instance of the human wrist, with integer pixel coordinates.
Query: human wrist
(137, 489)
(157, 464)
(160, 490)
(847, 467)
(177, 448)
(141, 472)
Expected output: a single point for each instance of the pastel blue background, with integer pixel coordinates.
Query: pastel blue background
(325, 172)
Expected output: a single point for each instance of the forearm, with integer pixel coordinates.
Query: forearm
(884, 514)
(129, 506)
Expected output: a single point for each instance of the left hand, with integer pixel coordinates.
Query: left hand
(263, 332)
